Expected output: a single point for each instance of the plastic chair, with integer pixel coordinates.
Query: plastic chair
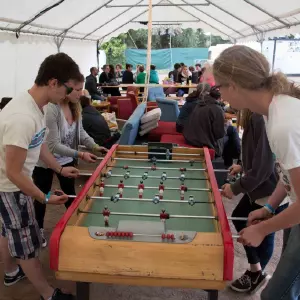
(169, 109)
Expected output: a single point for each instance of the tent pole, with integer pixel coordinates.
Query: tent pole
(148, 51)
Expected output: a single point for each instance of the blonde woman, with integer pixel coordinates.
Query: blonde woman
(246, 81)
(65, 135)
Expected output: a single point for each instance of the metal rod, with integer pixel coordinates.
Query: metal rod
(176, 169)
(158, 153)
(157, 5)
(237, 219)
(154, 177)
(156, 188)
(148, 215)
(144, 200)
(158, 160)
(267, 13)
(235, 236)
(166, 22)
(158, 215)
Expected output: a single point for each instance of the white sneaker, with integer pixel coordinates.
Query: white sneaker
(44, 241)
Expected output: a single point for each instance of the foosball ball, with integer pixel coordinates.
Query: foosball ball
(147, 215)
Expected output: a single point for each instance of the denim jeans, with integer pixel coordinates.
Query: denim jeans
(285, 282)
(263, 253)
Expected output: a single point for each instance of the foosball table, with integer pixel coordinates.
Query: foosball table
(147, 215)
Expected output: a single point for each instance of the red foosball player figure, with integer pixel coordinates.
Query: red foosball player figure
(161, 190)
(106, 214)
(182, 191)
(121, 188)
(141, 187)
(102, 185)
(164, 216)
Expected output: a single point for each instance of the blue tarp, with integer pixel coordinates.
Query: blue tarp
(165, 58)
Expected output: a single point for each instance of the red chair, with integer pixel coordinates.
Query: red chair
(114, 102)
(162, 129)
(180, 140)
(151, 106)
(125, 108)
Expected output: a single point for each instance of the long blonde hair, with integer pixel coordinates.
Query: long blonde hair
(250, 70)
(75, 109)
(243, 118)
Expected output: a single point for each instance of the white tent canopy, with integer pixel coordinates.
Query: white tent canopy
(237, 20)
(44, 27)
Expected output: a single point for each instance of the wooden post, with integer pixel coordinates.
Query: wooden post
(148, 51)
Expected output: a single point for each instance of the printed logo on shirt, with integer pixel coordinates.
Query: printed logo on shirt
(38, 139)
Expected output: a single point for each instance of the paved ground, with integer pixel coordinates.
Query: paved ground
(24, 291)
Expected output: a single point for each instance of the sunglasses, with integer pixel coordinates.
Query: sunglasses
(69, 89)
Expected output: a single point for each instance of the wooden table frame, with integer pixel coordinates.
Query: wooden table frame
(220, 243)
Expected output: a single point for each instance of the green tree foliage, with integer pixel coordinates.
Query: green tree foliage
(115, 50)
(189, 38)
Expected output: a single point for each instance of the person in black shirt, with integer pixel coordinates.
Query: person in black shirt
(107, 79)
(127, 75)
(91, 85)
(95, 125)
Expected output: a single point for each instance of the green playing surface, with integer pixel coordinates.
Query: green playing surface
(186, 224)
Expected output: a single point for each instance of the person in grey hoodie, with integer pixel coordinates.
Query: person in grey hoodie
(65, 134)
(257, 183)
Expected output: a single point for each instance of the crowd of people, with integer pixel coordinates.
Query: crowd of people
(42, 128)
(114, 75)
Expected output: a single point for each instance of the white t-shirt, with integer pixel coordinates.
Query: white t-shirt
(22, 124)
(283, 131)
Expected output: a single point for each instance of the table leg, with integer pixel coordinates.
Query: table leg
(82, 290)
(213, 295)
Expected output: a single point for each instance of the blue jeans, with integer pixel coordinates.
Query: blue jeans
(263, 253)
(285, 282)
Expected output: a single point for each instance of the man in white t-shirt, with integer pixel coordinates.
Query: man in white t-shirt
(22, 132)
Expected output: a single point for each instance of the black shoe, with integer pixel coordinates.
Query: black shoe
(243, 284)
(59, 295)
(11, 280)
(258, 281)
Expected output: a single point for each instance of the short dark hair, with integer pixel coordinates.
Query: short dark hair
(92, 69)
(128, 66)
(58, 66)
(141, 69)
(4, 101)
(119, 65)
(84, 101)
(215, 93)
(198, 65)
(177, 66)
(152, 67)
(182, 64)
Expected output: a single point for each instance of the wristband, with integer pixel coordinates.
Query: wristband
(76, 155)
(47, 197)
(269, 208)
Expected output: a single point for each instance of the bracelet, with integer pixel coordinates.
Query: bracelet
(76, 155)
(60, 170)
(269, 208)
(47, 197)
